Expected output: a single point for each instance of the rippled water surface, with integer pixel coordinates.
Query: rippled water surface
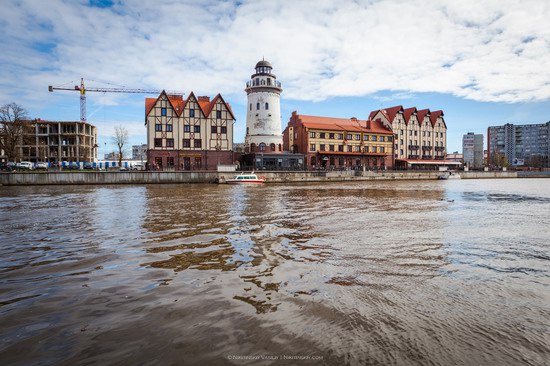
(376, 273)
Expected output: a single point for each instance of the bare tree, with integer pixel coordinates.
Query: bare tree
(15, 129)
(120, 139)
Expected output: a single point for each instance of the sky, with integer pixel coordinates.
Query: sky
(483, 62)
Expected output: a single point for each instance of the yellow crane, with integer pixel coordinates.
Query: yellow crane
(82, 89)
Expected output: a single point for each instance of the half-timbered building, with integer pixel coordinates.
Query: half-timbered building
(188, 134)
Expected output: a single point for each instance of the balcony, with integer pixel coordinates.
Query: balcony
(426, 157)
(426, 148)
(413, 147)
(440, 148)
(414, 156)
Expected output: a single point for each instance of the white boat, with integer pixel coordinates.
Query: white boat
(245, 178)
(450, 175)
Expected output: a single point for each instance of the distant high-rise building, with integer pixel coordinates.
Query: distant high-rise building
(519, 144)
(139, 152)
(472, 150)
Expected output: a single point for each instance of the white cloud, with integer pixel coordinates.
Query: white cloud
(476, 49)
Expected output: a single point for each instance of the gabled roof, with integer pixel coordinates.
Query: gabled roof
(178, 103)
(435, 115)
(421, 114)
(213, 104)
(392, 112)
(348, 125)
(408, 113)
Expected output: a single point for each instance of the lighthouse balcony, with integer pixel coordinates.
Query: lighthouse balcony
(260, 83)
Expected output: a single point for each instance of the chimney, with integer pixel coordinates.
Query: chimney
(368, 125)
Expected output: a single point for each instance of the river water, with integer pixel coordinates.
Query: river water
(364, 273)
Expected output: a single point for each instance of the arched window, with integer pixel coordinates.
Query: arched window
(258, 106)
(262, 146)
(252, 147)
(280, 147)
(266, 106)
(272, 146)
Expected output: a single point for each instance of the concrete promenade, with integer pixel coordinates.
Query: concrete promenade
(141, 177)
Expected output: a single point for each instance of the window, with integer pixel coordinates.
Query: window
(272, 146)
(257, 106)
(158, 161)
(423, 133)
(312, 147)
(163, 111)
(192, 113)
(322, 135)
(170, 162)
(331, 147)
(366, 137)
(401, 151)
(410, 133)
(373, 148)
(250, 106)
(350, 148)
(262, 146)
(390, 138)
(358, 137)
(428, 133)
(339, 136)
(186, 128)
(322, 147)
(381, 149)
(416, 133)
(312, 135)
(198, 143)
(198, 162)
(214, 129)
(341, 148)
(186, 143)
(348, 136)
(197, 128)
(158, 127)
(218, 114)
(169, 142)
(224, 129)
(381, 138)
(373, 138)
(331, 136)
(366, 149)
(401, 131)
(401, 141)
(168, 128)
(266, 106)
(158, 142)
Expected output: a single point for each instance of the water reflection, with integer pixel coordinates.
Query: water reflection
(360, 273)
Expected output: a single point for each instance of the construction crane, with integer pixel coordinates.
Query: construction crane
(82, 89)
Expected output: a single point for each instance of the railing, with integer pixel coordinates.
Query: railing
(425, 148)
(439, 148)
(414, 156)
(413, 147)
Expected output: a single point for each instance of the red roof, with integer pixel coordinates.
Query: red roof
(434, 116)
(178, 103)
(421, 114)
(392, 112)
(407, 114)
(342, 124)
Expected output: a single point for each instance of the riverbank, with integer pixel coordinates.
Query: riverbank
(146, 177)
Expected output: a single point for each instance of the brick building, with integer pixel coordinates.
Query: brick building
(339, 143)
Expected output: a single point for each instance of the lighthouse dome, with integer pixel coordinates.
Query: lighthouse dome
(263, 63)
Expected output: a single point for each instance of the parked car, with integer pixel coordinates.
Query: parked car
(88, 166)
(138, 166)
(72, 166)
(25, 165)
(41, 165)
(7, 167)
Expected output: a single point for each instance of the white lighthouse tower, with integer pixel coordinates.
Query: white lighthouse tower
(263, 120)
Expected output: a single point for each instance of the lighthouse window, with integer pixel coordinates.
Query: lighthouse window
(257, 106)
(267, 106)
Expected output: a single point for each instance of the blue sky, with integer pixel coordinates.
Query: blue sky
(482, 62)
